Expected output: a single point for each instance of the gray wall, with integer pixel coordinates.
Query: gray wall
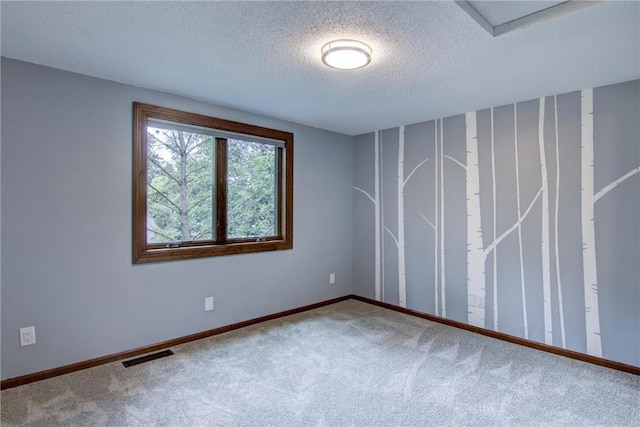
(66, 227)
(439, 274)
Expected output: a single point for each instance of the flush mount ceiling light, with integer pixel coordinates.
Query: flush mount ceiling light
(346, 54)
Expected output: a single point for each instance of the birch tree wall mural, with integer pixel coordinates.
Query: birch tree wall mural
(557, 194)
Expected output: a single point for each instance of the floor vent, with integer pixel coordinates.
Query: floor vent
(147, 358)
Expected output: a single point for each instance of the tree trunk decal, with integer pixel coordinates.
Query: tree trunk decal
(433, 224)
(521, 251)
(495, 226)
(557, 229)
(591, 306)
(589, 198)
(443, 295)
(399, 239)
(378, 258)
(475, 251)
(402, 286)
(435, 215)
(546, 258)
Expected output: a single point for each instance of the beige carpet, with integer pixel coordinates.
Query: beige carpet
(350, 363)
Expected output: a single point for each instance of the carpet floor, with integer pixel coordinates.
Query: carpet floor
(347, 364)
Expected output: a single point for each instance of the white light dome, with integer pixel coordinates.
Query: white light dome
(346, 54)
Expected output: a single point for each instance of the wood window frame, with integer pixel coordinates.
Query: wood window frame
(144, 252)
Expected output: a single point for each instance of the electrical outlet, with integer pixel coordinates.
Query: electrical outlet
(208, 304)
(332, 278)
(27, 336)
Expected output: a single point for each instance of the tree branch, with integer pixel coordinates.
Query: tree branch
(204, 141)
(614, 184)
(164, 144)
(188, 142)
(238, 206)
(427, 219)
(165, 197)
(191, 172)
(393, 237)
(414, 171)
(181, 142)
(457, 162)
(366, 194)
(513, 227)
(177, 181)
(199, 202)
(158, 201)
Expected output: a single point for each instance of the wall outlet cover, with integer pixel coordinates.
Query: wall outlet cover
(27, 336)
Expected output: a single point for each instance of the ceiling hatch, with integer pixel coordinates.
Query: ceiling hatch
(499, 17)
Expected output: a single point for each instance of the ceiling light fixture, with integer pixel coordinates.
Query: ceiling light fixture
(346, 54)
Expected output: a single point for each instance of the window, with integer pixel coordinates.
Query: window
(204, 186)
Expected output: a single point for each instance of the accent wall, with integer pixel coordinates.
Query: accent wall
(522, 218)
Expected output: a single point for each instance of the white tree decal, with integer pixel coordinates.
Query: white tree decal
(521, 251)
(440, 306)
(433, 224)
(378, 258)
(476, 254)
(439, 225)
(443, 289)
(594, 345)
(402, 286)
(475, 251)
(546, 258)
(615, 183)
(557, 229)
(495, 226)
(589, 198)
(399, 241)
(435, 214)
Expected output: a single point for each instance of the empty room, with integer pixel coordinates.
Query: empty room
(296, 213)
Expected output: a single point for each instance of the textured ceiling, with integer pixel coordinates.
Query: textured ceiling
(430, 59)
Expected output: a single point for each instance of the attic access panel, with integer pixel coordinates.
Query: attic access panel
(499, 17)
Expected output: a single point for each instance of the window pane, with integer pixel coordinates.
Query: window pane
(179, 186)
(251, 194)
